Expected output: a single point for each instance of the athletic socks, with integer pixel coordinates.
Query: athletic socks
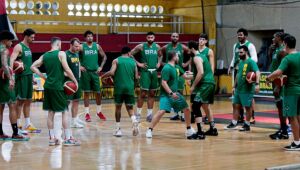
(149, 112)
(68, 134)
(1, 130)
(212, 124)
(87, 109)
(234, 122)
(297, 142)
(118, 125)
(139, 111)
(247, 123)
(99, 108)
(199, 127)
(51, 133)
(133, 118)
(15, 128)
(198, 122)
(27, 122)
(19, 121)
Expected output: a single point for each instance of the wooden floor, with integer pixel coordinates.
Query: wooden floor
(167, 150)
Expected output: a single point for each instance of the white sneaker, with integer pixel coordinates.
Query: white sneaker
(22, 132)
(189, 132)
(149, 133)
(75, 124)
(118, 132)
(135, 128)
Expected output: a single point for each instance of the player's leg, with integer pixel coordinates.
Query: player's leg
(95, 81)
(3, 136)
(69, 140)
(150, 104)
(129, 103)
(74, 110)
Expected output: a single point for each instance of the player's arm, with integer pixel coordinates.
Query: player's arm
(136, 50)
(16, 52)
(232, 61)
(253, 53)
(211, 60)
(82, 68)
(257, 81)
(63, 59)
(275, 74)
(162, 53)
(112, 70)
(186, 52)
(165, 85)
(199, 66)
(4, 56)
(136, 73)
(35, 65)
(103, 55)
(160, 56)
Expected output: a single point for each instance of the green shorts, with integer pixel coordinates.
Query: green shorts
(90, 82)
(55, 100)
(181, 83)
(7, 95)
(126, 98)
(167, 102)
(243, 99)
(205, 93)
(148, 80)
(24, 87)
(291, 106)
(76, 95)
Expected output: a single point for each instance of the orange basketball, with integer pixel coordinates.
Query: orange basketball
(108, 81)
(18, 67)
(280, 81)
(251, 77)
(70, 87)
(3, 75)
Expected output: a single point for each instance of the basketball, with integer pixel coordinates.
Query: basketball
(70, 88)
(280, 81)
(251, 77)
(18, 67)
(108, 81)
(3, 75)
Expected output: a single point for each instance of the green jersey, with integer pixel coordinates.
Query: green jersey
(170, 74)
(204, 52)
(54, 70)
(150, 55)
(245, 66)
(124, 76)
(290, 65)
(73, 62)
(236, 50)
(208, 76)
(276, 58)
(26, 58)
(89, 58)
(179, 51)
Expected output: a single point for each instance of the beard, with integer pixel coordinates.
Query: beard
(150, 42)
(242, 57)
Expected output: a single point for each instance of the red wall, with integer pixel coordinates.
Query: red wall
(109, 42)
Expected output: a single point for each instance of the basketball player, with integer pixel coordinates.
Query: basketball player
(277, 56)
(150, 62)
(124, 70)
(291, 93)
(243, 91)
(203, 87)
(74, 64)
(181, 49)
(90, 71)
(7, 93)
(55, 100)
(24, 86)
(242, 35)
(169, 97)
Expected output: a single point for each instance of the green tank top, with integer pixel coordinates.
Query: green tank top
(276, 59)
(208, 76)
(54, 71)
(124, 76)
(73, 62)
(150, 56)
(179, 51)
(236, 54)
(89, 58)
(204, 52)
(26, 58)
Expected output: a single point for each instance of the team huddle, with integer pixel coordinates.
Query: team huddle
(194, 62)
